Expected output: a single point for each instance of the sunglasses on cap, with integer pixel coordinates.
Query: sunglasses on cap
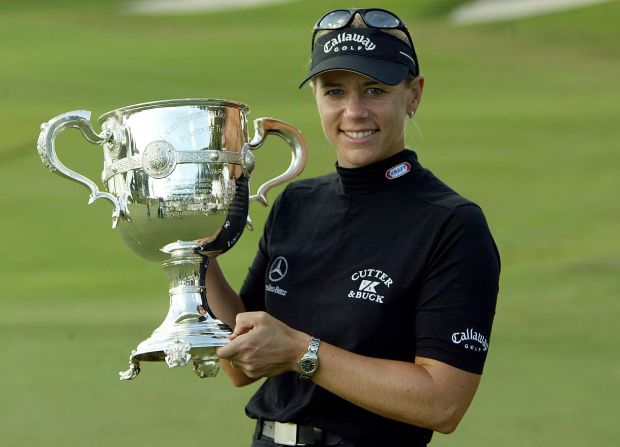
(373, 18)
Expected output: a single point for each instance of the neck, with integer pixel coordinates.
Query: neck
(378, 176)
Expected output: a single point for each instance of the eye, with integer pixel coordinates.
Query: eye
(375, 91)
(334, 92)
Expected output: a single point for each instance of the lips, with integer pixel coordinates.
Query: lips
(359, 134)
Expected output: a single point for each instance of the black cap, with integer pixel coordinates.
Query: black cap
(367, 51)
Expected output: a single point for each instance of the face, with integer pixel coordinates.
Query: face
(364, 120)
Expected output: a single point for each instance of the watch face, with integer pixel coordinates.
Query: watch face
(308, 365)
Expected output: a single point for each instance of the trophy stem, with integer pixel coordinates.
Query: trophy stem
(187, 290)
(189, 332)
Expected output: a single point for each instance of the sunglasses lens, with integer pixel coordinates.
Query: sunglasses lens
(335, 19)
(381, 19)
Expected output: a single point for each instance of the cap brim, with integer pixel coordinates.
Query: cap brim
(386, 72)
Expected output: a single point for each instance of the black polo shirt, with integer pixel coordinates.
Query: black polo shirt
(385, 261)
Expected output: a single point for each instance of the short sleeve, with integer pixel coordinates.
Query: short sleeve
(456, 306)
(252, 291)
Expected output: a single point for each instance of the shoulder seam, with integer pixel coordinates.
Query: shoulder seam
(466, 202)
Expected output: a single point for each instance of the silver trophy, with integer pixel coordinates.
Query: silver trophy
(177, 174)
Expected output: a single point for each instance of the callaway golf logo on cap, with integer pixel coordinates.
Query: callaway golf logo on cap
(349, 41)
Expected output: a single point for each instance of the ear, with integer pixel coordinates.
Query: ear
(312, 84)
(417, 87)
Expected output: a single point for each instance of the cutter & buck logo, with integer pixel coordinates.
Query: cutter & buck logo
(369, 281)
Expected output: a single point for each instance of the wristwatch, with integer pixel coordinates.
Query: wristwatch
(309, 362)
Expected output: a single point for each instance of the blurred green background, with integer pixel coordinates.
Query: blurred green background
(520, 116)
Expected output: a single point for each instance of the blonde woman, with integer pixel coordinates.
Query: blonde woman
(369, 304)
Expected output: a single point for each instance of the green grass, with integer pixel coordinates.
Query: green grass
(520, 116)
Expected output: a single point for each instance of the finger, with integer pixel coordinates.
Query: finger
(227, 351)
(243, 324)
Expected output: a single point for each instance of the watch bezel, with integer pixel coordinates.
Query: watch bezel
(308, 365)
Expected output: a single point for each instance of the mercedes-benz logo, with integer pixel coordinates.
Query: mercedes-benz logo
(278, 269)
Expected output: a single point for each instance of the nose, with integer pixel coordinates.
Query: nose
(355, 108)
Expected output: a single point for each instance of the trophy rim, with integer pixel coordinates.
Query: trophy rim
(174, 103)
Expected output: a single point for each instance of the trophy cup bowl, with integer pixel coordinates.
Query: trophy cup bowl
(177, 173)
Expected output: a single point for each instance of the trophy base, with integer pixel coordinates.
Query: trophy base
(189, 332)
(179, 343)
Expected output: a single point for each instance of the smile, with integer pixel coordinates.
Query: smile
(358, 135)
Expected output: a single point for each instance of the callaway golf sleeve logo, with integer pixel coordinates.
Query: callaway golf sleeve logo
(471, 340)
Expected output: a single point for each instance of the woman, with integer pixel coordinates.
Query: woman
(370, 302)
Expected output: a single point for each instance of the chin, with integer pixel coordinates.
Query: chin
(358, 159)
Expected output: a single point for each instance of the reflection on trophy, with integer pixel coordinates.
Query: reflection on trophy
(177, 174)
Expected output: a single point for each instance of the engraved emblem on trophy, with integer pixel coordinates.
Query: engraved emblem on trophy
(176, 173)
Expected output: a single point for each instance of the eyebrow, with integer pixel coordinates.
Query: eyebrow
(330, 84)
(337, 84)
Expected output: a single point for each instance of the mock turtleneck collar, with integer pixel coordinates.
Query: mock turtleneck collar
(374, 177)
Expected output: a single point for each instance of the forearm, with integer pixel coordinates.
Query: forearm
(414, 393)
(427, 393)
(225, 304)
(223, 301)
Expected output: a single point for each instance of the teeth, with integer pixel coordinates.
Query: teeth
(356, 135)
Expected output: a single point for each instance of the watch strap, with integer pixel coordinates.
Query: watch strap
(313, 347)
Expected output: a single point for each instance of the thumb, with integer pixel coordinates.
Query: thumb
(227, 351)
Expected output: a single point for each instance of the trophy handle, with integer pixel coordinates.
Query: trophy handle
(45, 146)
(290, 134)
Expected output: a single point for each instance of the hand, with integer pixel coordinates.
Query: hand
(263, 346)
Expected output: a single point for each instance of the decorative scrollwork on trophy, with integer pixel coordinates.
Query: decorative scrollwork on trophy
(177, 353)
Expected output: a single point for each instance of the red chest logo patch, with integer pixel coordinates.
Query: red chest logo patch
(398, 171)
